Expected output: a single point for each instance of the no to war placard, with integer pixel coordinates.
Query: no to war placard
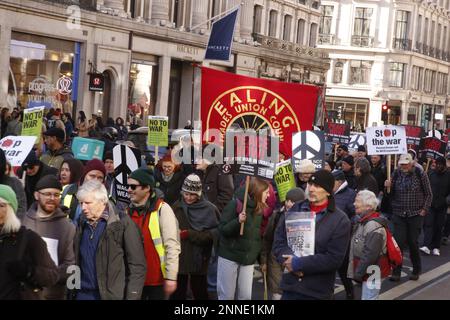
(284, 178)
(386, 140)
(32, 121)
(158, 131)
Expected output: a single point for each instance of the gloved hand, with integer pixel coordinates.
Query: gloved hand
(184, 234)
(19, 269)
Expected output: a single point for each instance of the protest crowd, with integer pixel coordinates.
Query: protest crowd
(195, 231)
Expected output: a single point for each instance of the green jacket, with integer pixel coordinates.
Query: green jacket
(241, 249)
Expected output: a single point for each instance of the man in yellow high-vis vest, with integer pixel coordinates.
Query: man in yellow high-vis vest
(159, 228)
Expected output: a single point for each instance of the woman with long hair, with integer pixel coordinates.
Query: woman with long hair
(237, 254)
(25, 264)
(82, 125)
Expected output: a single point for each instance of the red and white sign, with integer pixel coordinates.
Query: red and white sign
(17, 148)
(386, 140)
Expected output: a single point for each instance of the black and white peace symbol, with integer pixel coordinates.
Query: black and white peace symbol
(308, 145)
(357, 140)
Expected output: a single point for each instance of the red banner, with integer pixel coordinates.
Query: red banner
(252, 103)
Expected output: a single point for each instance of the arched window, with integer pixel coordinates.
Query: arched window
(313, 35)
(300, 31)
(273, 23)
(338, 71)
(287, 27)
(257, 18)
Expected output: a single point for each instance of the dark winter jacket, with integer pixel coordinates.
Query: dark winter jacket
(55, 158)
(120, 258)
(379, 173)
(241, 249)
(366, 181)
(196, 248)
(331, 242)
(57, 227)
(31, 181)
(345, 199)
(440, 186)
(35, 255)
(218, 187)
(172, 188)
(351, 179)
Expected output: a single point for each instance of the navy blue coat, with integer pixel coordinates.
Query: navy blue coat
(331, 243)
(345, 200)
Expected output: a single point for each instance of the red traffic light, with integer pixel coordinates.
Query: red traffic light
(384, 107)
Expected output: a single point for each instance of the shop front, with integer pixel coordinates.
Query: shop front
(351, 112)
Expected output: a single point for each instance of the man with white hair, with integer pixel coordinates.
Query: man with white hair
(108, 248)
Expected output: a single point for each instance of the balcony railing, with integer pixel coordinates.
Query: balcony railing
(426, 49)
(326, 39)
(83, 4)
(432, 51)
(402, 44)
(362, 41)
(419, 47)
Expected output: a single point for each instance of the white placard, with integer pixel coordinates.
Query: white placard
(384, 140)
(52, 248)
(17, 148)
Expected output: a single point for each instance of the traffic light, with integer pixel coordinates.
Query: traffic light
(385, 107)
(428, 114)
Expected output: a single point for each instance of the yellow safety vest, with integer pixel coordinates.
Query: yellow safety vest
(67, 200)
(155, 232)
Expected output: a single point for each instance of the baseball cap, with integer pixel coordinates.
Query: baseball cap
(405, 159)
(55, 132)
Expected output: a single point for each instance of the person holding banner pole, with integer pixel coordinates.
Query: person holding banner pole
(410, 195)
(237, 254)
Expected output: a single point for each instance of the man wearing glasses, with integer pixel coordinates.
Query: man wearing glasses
(159, 228)
(47, 219)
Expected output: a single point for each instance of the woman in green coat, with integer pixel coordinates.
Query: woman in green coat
(237, 253)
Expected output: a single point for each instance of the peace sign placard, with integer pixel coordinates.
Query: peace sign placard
(309, 145)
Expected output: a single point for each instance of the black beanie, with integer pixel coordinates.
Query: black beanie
(295, 195)
(349, 160)
(48, 181)
(323, 179)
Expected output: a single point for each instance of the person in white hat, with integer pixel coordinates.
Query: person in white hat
(304, 170)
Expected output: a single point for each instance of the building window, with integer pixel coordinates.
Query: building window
(287, 27)
(302, 2)
(416, 78)
(325, 24)
(257, 18)
(397, 74)
(300, 31)
(419, 34)
(176, 7)
(427, 81)
(142, 91)
(273, 23)
(360, 71)
(401, 40)
(313, 35)
(338, 72)
(315, 5)
(361, 28)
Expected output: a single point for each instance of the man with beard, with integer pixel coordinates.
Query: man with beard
(46, 219)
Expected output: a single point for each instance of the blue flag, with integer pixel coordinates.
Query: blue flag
(219, 43)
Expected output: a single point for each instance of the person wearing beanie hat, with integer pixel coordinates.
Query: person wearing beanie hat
(315, 272)
(295, 195)
(94, 170)
(344, 198)
(435, 219)
(151, 212)
(198, 222)
(347, 167)
(35, 170)
(22, 252)
(46, 218)
(304, 169)
(15, 184)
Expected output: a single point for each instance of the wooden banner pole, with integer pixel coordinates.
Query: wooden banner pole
(156, 155)
(388, 165)
(247, 183)
(428, 164)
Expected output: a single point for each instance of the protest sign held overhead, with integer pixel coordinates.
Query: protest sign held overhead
(32, 121)
(356, 141)
(126, 160)
(158, 131)
(17, 148)
(337, 132)
(284, 179)
(309, 145)
(87, 149)
(431, 148)
(234, 101)
(413, 136)
(385, 140)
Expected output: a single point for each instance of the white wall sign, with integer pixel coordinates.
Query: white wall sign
(386, 140)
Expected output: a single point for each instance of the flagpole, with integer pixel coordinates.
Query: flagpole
(216, 16)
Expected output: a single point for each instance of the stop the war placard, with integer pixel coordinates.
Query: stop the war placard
(337, 132)
(32, 121)
(385, 140)
(158, 131)
(284, 178)
(17, 148)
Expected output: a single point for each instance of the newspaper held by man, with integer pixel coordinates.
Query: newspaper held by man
(301, 232)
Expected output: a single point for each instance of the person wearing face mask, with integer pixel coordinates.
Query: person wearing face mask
(198, 220)
(47, 219)
(435, 220)
(410, 196)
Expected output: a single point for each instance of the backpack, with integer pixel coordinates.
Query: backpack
(393, 257)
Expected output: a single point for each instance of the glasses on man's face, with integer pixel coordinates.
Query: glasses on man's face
(50, 194)
(133, 186)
